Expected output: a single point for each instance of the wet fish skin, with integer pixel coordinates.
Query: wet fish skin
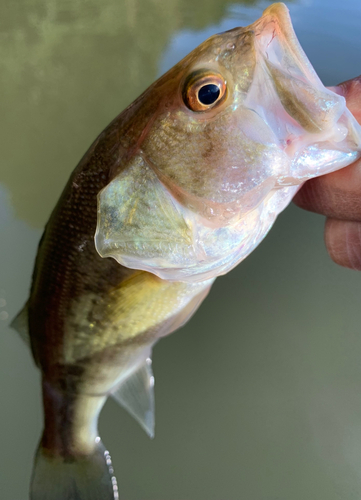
(183, 194)
(90, 322)
(224, 175)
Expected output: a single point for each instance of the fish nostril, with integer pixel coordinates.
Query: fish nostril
(245, 38)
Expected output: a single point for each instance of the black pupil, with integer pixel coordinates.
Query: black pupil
(208, 94)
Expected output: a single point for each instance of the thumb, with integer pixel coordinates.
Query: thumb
(351, 91)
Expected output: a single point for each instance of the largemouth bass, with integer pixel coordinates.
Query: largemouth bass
(176, 191)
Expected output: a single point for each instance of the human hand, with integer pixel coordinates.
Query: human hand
(338, 196)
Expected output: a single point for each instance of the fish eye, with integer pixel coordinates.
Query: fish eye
(204, 90)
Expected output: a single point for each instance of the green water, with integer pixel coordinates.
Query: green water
(259, 396)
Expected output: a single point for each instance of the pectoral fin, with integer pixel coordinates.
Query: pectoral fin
(20, 324)
(139, 223)
(136, 395)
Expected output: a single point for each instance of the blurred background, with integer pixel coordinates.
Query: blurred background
(259, 396)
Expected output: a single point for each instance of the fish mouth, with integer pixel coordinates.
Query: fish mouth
(277, 40)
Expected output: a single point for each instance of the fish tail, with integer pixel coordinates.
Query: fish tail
(71, 462)
(88, 477)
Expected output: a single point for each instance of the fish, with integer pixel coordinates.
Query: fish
(177, 190)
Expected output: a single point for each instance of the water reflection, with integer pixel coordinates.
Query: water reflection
(67, 69)
(254, 412)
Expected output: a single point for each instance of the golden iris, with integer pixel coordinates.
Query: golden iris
(204, 90)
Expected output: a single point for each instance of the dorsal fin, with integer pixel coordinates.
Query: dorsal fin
(20, 324)
(136, 395)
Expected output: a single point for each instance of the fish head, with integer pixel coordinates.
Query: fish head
(235, 128)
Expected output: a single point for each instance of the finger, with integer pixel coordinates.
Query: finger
(351, 90)
(336, 195)
(343, 242)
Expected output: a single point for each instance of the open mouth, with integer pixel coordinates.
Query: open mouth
(277, 41)
(286, 91)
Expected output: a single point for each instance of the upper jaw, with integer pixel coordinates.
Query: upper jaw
(277, 41)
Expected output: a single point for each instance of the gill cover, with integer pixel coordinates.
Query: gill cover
(142, 226)
(139, 224)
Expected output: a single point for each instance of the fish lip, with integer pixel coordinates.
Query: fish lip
(279, 14)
